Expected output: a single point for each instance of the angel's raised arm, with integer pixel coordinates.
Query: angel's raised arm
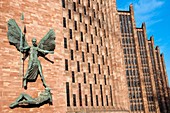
(25, 49)
(45, 51)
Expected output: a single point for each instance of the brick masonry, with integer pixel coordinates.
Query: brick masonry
(148, 85)
(102, 24)
(40, 16)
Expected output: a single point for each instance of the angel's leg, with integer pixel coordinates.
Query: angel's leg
(26, 75)
(41, 75)
(25, 81)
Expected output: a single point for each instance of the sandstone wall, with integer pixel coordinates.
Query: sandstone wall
(40, 16)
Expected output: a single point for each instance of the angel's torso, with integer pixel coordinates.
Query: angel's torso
(33, 53)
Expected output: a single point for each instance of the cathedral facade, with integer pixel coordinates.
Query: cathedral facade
(102, 61)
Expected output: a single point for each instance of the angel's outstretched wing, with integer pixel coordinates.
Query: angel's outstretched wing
(14, 35)
(47, 42)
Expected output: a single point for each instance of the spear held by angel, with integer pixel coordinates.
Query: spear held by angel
(45, 46)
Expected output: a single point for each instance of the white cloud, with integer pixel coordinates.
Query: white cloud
(163, 46)
(147, 6)
(147, 11)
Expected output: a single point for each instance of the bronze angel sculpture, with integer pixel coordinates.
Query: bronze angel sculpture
(45, 46)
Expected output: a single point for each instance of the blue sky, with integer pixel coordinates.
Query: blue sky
(156, 15)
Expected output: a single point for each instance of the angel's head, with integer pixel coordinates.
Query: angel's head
(34, 40)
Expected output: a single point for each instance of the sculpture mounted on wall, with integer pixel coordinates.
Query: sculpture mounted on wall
(45, 46)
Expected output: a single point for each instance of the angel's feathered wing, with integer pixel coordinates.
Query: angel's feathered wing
(47, 42)
(14, 35)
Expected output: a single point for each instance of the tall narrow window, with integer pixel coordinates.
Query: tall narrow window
(97, 49)
(84, 77)
(111, 95)
(65, 42)
(64, 22)
(107, 103)
(108, 70)
(72, 56)
(63, 3)
(74, 99)
(86, 102)
(99, 68)
(71, 34)
(91, 38)
(101, 41)
(97, 6)
(103, 59)
(69, 14)
(77, 46)
(103, 16)
(95, 79)
(123, 41)
(88, 47)
(75, 25)
(89, 68)
(80, 17)
(94, 13)
(66, 64)
(90, 20)
(73, 77)
(83, 57)
(129, 84)
(93, 58)
(99, 23)
(124, 50)
(80, 96)
(68, 93)
(88, 3)
(101, 92)
(78, 66)
(79, 1)
(84, 10)
(74, 6)
(97, 101)
(120, 18)
(100, 1)
(91, 94)
(106, 51)
(96, 31)
(81, 35)
(131, 107)
(86, 28)
(105, 80)
(104, 33)
(127, 72)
